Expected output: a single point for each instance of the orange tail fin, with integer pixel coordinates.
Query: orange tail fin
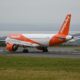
(65, 26)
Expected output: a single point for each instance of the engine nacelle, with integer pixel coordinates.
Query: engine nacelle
(11, 47)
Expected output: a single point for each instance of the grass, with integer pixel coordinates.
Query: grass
(39, 68)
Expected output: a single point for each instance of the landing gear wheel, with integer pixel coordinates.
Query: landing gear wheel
(15, 47)
(45, 49)
(25, 51)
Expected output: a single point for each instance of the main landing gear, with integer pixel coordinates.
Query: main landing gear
(25, 50)
(45, 49)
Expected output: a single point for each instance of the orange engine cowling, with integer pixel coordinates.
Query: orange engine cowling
(11, 47)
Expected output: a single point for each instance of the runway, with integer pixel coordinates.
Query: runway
(56, 52)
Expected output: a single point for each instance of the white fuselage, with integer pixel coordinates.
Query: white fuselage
(42, 39)
(35, 39)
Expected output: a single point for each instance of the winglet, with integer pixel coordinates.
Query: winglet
(65, 26)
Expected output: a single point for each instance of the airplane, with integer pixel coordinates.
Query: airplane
(39, 41)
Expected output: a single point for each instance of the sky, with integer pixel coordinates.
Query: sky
(38, 12)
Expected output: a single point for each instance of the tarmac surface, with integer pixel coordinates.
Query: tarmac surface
(55, 52)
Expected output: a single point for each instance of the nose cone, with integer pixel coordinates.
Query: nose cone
(69, 37)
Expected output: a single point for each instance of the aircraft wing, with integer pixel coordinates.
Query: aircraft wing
(22, 43)
(75, 41)
(76, 37)
(29, 44)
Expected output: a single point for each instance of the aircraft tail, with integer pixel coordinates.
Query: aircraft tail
(65, 26)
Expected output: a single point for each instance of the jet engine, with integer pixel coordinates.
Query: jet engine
(11, 47)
